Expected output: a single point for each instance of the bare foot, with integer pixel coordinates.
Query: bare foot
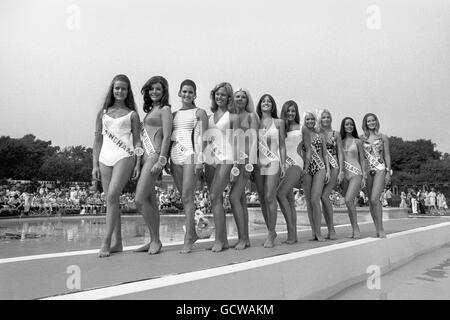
(356, 234)
(290, 241)
(116, 248)
(332, 235)
(187, 247)
(381, 234)
(320, 238)
(270, 241)
(143, 248)
(105, 251)
(240, 245)
(218, 246)
(155, 247)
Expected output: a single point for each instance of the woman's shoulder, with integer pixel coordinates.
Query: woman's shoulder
(200, 112)
(134, 115)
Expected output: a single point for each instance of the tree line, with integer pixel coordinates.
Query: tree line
(28, 158)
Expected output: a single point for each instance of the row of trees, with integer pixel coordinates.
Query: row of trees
(28, 158)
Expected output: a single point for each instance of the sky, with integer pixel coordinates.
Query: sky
(390, 57)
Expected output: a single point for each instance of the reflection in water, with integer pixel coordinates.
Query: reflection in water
(91, 230)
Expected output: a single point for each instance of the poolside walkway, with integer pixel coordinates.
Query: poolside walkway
(130, 275)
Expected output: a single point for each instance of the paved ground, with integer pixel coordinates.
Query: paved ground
(48, 276)
(424, 278)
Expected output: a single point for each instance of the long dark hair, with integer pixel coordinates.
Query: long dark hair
(129, 100)
(148, 103)
(274, 106)
(342, 130)
(283, 113)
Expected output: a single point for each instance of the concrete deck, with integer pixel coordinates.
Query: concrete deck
(305, 270)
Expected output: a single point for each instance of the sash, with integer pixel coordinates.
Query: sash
(374, 163)
(116, 140)
(316, 159)
(216, 150)
(180, 147)
(290, 161)
(266, 151)
(351, 168)
(147, 142)
(332, 160)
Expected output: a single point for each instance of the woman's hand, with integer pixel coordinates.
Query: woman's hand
(327, 176)
(156, 169)
(96, 173)
(340, 177)
(363, 182)
(283, 171)
(198, 169)
(387, 178)
(136, 173)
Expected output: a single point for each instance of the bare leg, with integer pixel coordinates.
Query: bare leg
(375, 185)
(245, 209)
(285, 201)
(218, 185)
(259, 183)
(270, 191)
(351, 190)
(307, 185)
(146, 204)
(185, 181)
(237, 191)
(113, 181)
(316, 193)
(326, 204)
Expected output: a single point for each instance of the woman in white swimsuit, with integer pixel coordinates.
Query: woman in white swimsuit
(156, 131)
(271, 162)
(189, 123)
(247, 148)
(294, 170)
(219, 156)
(117, 137)
(354, 169)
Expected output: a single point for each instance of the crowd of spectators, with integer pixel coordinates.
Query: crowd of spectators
(25, 200)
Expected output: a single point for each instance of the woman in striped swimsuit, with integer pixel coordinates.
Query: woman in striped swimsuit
(156, 131)
(189, 122)
(316, 162)
(354, 169)
(294, 171)
(335, 158)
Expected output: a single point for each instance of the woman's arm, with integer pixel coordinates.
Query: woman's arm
(340, 155)
(282, 144)
(202, 122)
(167, 121)
(387, 158)
(307, 143)
(362, 162)
(98, 142)
(136, 133)
(325, 157)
